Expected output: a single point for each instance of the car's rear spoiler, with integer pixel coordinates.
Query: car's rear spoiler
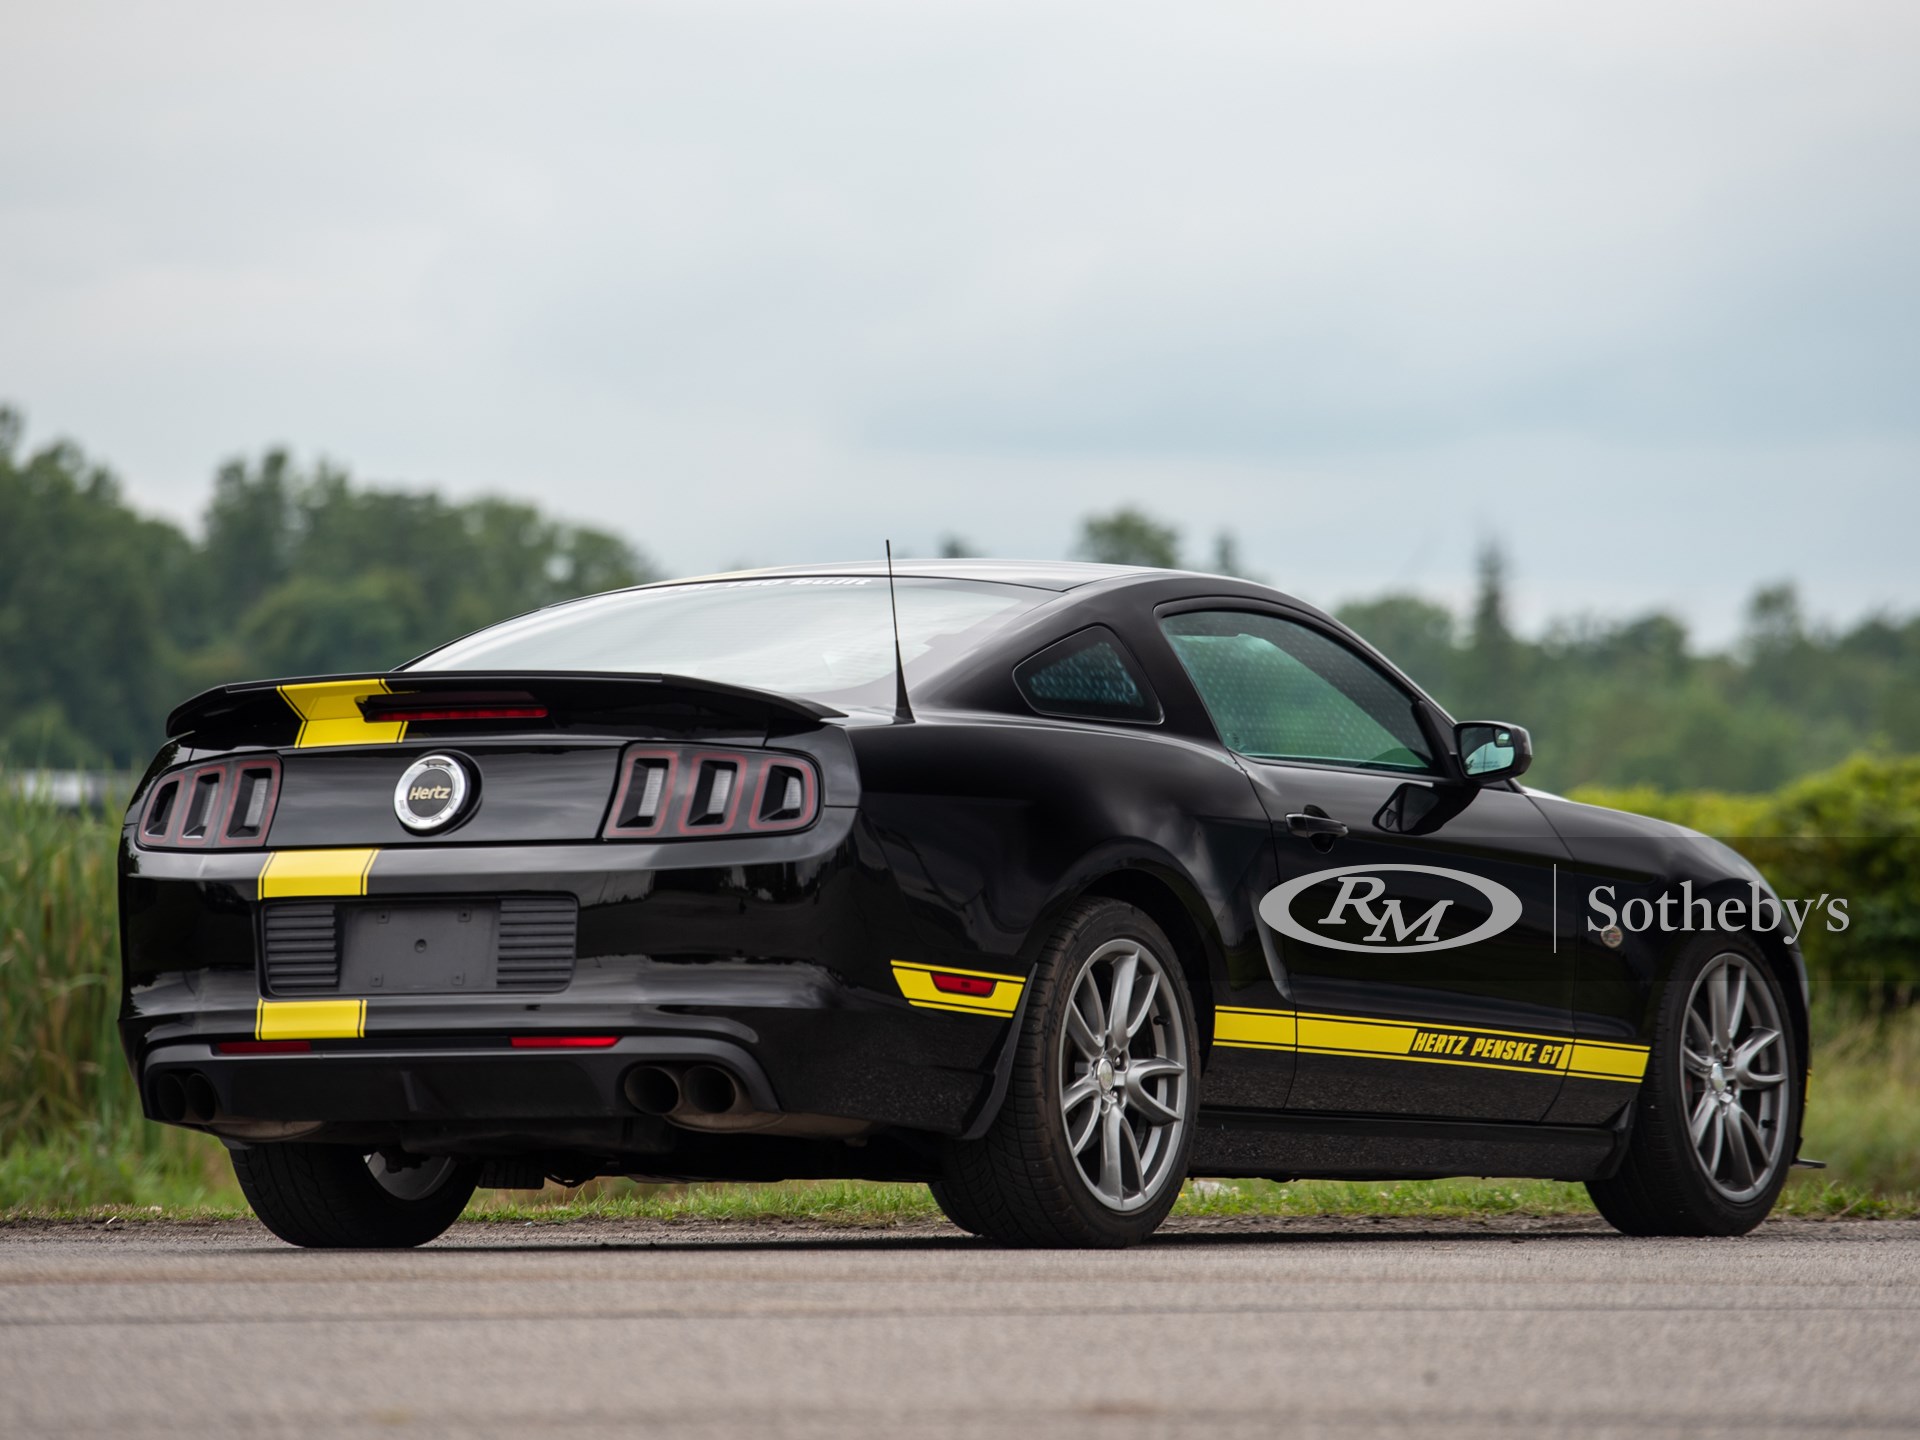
(286, 711)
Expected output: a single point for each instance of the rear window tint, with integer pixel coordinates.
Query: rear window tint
(1088, 676)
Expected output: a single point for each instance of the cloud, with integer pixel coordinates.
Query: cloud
(761, 281)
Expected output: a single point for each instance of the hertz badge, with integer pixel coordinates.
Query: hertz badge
(432, 794)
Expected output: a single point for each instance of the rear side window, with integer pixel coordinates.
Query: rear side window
(1281, 691)
(1088, 676)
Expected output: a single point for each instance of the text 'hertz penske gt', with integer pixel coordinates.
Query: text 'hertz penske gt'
(1100, 879)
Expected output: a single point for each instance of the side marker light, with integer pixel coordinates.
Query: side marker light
(963, 984)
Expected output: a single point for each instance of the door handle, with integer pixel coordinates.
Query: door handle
(1313, 827)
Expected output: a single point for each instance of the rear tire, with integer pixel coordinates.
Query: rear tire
(1717, 1120)
(337, 1197)
(1090, 1146)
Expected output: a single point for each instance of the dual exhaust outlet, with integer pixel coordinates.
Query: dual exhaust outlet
(184, 1097)
(695, 1090)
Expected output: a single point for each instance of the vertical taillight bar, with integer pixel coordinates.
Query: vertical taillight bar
(688, 791)
(227, 804)
(645, 791)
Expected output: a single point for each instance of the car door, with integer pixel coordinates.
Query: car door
(1414, 925)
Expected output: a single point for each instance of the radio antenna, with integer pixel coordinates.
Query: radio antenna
(902, 711)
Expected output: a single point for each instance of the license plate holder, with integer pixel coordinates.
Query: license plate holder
(419, 947)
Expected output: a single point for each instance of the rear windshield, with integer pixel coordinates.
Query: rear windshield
(821, 637)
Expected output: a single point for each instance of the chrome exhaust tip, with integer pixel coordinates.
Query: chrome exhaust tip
(709, 1090)
(652, 1089)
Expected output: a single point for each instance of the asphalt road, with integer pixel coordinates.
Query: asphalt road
(1276, 1328)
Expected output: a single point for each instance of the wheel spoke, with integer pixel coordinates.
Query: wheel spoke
(1093, 1011)
(1144, 1007)
(1750, 1051)
(1695, 1061)
(1718, 1130)
(1717, 1007)
(1110, 1142)
(1079, 1139)
(1120, 1003)
(1078, 1093)
(1751, 1127)
(1739, 1158)
(1084, 1037)
(1699, 1031)
(1152, 1067)
(1736, 1001)
(1703, 1114)
(1130, 1149)
(1144, 1102)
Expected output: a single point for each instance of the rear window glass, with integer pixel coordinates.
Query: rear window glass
(821, 637)
(1088, 675)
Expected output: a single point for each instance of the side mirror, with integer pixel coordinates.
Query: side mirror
(1491, 751)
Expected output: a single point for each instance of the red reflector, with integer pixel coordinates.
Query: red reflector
(264, 1047)
(501, 712)
(564, 1042)
(963, 984)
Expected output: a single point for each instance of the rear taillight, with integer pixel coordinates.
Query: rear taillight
(225, 805)
(680, 792)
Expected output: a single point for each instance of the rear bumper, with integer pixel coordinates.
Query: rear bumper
(773, 955)
(800, 1042)
(376, 1092)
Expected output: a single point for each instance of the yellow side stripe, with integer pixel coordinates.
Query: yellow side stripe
(310, 1020)
(330, 714)
(1595, 1060)
(1255, 1029)
(291, 873)
(1418, 1042)
(916, 983)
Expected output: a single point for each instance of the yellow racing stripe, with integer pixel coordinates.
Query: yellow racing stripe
(1255, 1029)
(1599, 1060)
(330, 714)
(291, 873)
(1427, 1043)
(916, 983)
(310, 1020)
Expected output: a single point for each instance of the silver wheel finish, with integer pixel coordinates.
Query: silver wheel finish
(1123, 1070)
(411, 1182)
(1734, 1074)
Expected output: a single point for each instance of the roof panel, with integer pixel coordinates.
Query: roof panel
(1040, 574)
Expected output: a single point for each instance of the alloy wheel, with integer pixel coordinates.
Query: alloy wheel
(1734, 1073)
(1124, 1072)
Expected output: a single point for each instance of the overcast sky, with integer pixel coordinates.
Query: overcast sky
(1632, 287)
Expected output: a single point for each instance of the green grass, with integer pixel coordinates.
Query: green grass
(60, 1064)
(73, 1143)
(866, 1205)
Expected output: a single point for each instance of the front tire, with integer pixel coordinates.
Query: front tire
(1090, 1146)
(336, 1197)
(1718, 1115)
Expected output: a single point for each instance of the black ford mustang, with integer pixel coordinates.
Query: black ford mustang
(1078, 881)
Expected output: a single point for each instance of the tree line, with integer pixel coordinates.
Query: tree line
(108, 618)
(1627, 701)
